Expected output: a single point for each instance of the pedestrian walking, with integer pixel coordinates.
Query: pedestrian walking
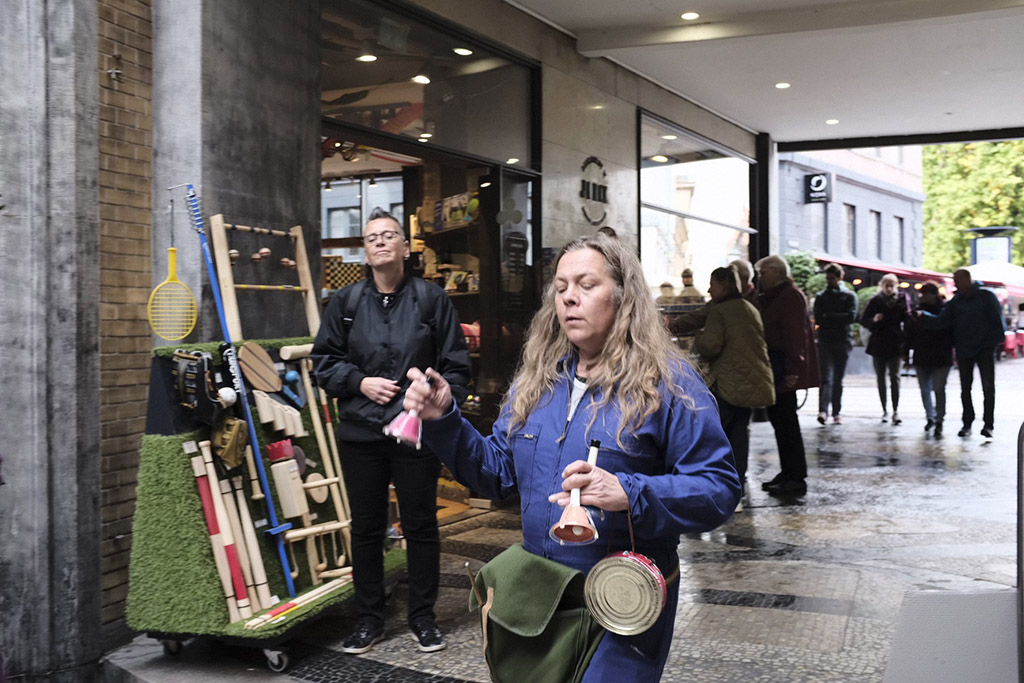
(931, 353)
(975, 317)
(790, 340)
(835, 309)
(739, 374)
(884, 316)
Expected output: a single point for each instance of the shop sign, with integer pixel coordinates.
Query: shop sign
(594, 191)
(817, 188)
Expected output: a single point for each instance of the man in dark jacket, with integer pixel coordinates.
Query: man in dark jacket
(978, 329)
(835, 308)
(790, 341)
(373, 332)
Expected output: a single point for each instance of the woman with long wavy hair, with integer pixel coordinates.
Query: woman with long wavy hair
(598, 365)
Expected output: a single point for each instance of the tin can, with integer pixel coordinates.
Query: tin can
(626, 592)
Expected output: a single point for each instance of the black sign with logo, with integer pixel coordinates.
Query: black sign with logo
(817, 188)
(594, 191)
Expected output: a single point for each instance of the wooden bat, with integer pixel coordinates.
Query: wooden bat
(237, 580)
(213, 528)
(295, 352)
(259, 572)
(228, 499)
(254, 481)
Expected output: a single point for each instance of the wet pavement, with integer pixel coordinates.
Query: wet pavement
(806, 589)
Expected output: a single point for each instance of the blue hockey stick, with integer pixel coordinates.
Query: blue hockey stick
(276, 530)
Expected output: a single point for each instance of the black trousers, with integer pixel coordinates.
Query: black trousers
(736, 425)
(987, 369)
(832, 369)
(788, 438)
(369, 469)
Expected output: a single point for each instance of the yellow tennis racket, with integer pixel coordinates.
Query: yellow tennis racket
(172, 307)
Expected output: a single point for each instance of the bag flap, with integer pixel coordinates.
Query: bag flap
(528, 589)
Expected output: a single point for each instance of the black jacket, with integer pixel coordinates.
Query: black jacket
(932, 348)
(386, 342)
(834, 311)
(887, 336)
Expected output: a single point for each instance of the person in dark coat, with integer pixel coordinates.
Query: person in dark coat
(373, 332)
(975, 317)
(931, 352)
(884, 317)
(790, 339)
(835, 308)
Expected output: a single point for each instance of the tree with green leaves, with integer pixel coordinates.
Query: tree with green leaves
(803, 266)
(971, 185)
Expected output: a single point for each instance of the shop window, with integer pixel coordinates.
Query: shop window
(388, 72)
(695, 204)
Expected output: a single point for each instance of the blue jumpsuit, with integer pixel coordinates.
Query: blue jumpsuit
(676, 469)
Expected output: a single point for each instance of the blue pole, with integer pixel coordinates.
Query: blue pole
(236, 378)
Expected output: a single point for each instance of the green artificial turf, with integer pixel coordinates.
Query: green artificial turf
(173, 583)
(211, 347)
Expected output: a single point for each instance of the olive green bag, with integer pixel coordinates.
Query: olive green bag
(535, 621)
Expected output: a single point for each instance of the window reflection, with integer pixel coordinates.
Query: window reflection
(695, 205)
(422, 83)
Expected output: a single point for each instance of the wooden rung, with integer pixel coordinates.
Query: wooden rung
(258, 231)
(287, 288)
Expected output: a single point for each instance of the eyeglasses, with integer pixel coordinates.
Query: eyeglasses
(386, 236)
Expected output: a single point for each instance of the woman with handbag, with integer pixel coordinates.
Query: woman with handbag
(598, 365)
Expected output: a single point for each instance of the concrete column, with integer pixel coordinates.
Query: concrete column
(49, 285)
(236, 113)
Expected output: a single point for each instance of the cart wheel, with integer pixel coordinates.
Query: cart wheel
(277, 661)
(172, 648)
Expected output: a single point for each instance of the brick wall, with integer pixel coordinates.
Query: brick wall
(125, 187)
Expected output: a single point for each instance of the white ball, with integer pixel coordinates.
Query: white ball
(227, 396)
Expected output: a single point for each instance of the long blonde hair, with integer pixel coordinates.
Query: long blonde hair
(637, 359)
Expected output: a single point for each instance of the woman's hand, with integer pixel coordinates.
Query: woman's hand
(379, 389)
(878, 318)
(598, 488)
(429, 401)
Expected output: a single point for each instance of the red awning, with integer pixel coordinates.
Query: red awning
(914, 273)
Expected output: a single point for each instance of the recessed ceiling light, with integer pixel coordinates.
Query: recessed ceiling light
(597, 106)
(423, 139)
(462, 51)
(512, 160)
(689, 16)
(485, 184)
(366, 58)
(337, 144)
(421, 78)
(782, 85)
(426, 135)
(669, 136)
(660, 158)
(832, 122)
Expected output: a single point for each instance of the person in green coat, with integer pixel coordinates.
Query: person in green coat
(740, 375)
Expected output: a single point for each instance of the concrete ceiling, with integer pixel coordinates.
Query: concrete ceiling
(881, 67)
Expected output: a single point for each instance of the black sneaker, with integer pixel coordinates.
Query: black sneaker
(987, 433)
(765, 485)
(966, 431)
(367, 634)
(427, 636)
(938, 428)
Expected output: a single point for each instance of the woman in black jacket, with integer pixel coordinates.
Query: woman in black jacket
(932, 357)
(373, 332)
(885, 315)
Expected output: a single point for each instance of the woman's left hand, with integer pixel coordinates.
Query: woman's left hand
(598, 488)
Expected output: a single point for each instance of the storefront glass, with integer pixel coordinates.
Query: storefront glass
(695, 205)
(389, 73)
